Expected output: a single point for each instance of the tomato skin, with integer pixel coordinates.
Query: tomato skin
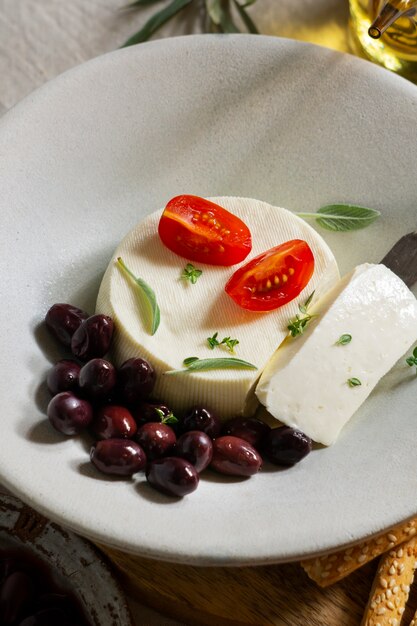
(203, 231)
(273, 278)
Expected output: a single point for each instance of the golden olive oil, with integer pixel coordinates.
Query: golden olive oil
(396, 49)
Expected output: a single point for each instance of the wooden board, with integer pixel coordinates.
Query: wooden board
(247, 596)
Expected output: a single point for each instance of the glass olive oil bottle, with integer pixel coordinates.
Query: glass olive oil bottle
(386, 32)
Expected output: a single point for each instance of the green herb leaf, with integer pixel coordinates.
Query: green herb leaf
(344, 340)
(229, 343)
(213, 341)
(298, 324)
(191, 273)
(343, 217)
(156, 21)
(246, 19)
(146, 294)
(139, 3)
(412, 360)
(194, 364)
(167, 419)
(354, 382)
(190, 360)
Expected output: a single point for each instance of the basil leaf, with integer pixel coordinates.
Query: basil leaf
(343, 217)
(146, 294)
(246, 19)
(156, 21)
(415, 352)
(194, 364)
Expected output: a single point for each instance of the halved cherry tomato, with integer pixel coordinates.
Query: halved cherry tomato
(273, 278)
(203, 231)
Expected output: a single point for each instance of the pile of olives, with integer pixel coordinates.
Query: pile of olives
(134, 432)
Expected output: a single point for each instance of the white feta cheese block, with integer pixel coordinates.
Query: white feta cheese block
(192, 313)
(305, 384)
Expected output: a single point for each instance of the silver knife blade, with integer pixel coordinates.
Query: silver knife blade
(402, 258)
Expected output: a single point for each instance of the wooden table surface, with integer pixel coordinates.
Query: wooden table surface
(41, 39)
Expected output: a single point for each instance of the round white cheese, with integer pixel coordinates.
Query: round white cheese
(192, 313)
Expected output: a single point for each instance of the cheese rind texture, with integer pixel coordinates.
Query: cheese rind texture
(305, 384)
(192, 313)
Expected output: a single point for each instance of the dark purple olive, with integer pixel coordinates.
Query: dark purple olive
(92, 338)
(286, 446)
(156, 439)
(118, 457)
(97, 379)
(136, 380)
(113, 421)
(173, 476)
(69, 414)
(63, 377)
(235, 456)
(15, 594)
(63, 320)
(200, 418)
(196, 447)
(251, 429)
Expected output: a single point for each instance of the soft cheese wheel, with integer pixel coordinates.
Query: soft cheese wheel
(378, 310)
(192, 313)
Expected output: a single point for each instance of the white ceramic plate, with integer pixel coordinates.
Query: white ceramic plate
(89, 154)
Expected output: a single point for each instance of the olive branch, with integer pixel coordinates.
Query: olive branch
(217, 16)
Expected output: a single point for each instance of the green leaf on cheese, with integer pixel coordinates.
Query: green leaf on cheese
(146, 294)
(194, 364)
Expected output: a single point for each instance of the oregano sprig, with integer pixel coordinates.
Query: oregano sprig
(191, 273)
(298, 324)
(166, 419)
(228, 342)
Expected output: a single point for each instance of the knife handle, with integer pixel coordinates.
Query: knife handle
(402, 258)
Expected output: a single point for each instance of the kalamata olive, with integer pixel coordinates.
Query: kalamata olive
(69, 414)
(286, 445)
(118, 457)
(97, 378)
(136, 380)
(113, 421)
(92, 338)
(15, 594)
(63, 320)
(63, 377)
(196, 447)
(201, 418)
(235, 456)
(156, 439)
(251, 429)
(173, 476)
